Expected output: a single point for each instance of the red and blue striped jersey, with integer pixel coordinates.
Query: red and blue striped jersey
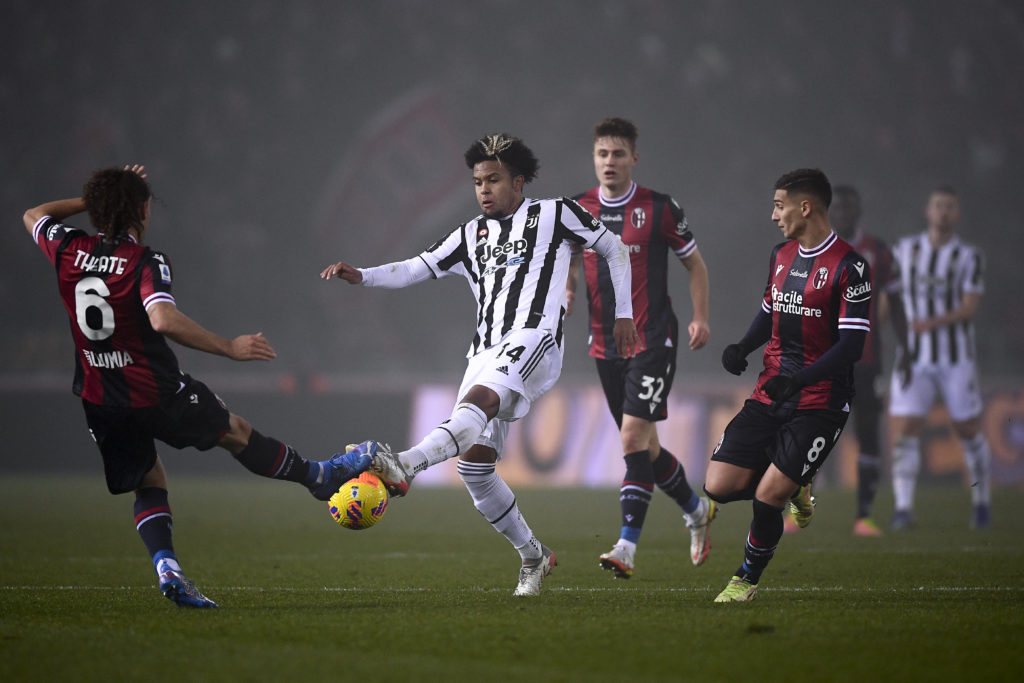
(879, 257)
(120, 360)
(650, 224)
(811, 295)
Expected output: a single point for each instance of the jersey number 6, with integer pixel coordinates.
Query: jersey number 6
(89, 294)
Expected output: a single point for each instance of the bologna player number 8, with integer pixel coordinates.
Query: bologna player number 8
(90, 293)
(816, 447)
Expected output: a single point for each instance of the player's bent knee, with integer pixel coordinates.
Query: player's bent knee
(237, 436)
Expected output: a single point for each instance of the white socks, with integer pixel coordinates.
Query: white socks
(496, 502)
(979, 468)
(906, 462)
(453, 436)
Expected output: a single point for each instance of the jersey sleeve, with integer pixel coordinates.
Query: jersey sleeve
(155, 279)
(449, 255)
(854, 284)
(974, 280)
(49, 234)
(675, 229)
(578, 226)
(766, 300)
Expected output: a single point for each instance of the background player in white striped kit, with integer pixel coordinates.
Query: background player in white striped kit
(515, 257)
(938, 290)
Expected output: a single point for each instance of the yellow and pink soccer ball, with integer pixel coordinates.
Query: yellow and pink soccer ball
(360, 502)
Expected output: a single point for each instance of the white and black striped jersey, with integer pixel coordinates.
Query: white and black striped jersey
(517, 266)
(933, 282)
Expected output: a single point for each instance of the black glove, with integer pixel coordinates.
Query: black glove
(781, 387)
(734, 359)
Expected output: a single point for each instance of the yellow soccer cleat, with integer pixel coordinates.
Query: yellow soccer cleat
(801, 506)
(738, 590)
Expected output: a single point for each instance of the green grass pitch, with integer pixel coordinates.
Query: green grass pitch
(426, 594)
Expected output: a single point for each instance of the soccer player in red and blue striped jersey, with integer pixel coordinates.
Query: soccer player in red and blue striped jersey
(815, 317)
(118, 296)
(868, 406)
(652, 225)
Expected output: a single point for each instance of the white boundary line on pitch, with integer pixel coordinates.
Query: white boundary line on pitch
(561, 589)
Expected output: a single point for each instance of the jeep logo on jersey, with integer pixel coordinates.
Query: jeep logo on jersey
(857, 293)
(489, 252)
(638, 218)
(821, 277)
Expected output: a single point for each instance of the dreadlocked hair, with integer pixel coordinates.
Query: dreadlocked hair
(507, 151)
(114, 198)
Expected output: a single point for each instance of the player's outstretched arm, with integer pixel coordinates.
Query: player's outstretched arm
(342, 271)
(172, 323)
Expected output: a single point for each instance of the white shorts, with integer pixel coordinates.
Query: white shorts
(956, 385)
(520, 369)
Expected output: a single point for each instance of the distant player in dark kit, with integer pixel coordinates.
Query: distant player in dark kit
(650, 224)
(815, 317)
(118, 297)
(869, 405)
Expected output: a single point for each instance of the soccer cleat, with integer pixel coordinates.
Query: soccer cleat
(801, 506)
(738, 590)
(901, 520)
(700, 532)
(180, 590)
(865, 526)
(619, 561)
(531, 575)
(980, 516)
(386, 466)
(339, 469)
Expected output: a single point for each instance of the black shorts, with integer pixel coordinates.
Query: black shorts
(194, 417)
(639, 386)
(797, 442)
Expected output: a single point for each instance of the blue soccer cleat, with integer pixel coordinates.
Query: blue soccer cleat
(180, 590)
(339, 469)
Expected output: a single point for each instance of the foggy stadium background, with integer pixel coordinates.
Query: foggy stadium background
(281, 137)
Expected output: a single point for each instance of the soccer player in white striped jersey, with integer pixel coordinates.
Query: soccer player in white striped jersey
(515, 256)
(937, 294)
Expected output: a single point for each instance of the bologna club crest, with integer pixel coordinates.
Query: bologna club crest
(821, 277)
(638, 218)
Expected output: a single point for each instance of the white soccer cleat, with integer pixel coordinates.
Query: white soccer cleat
(700, 532)
(387, 466)
(619, 561)
(531, 575)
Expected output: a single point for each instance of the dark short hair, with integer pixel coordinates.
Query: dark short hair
(615, 127)
(809, 181)
(506, 150)
(114, 198)
(945, 189)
